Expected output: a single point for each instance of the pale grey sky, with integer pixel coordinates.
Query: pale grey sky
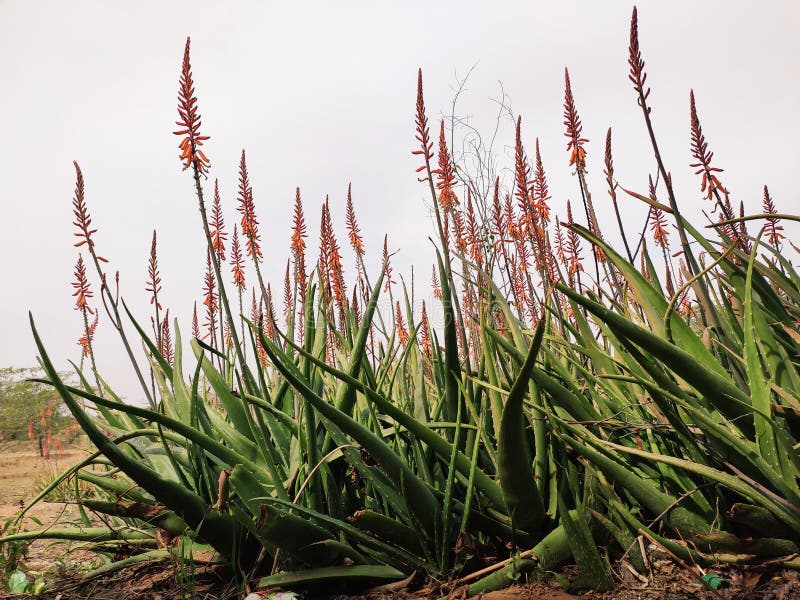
(321, 94)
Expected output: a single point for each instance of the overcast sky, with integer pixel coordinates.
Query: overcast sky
(324, 95)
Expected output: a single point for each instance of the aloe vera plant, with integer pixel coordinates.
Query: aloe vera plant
(552, 410)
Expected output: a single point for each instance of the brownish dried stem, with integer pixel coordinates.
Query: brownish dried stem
(638, 77)
(612, 191)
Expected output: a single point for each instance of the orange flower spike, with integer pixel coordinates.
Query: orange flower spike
(81, 284)
(574, 127)
(402, 331)
(332, 258)
(247, 209)
(353, 230)
(423, 132)
(700, 152)
(217, 225)
(573, 247)
(210, 298)
(287, 293)
(167, 350)
(445, 176)
(83, 221)
(85, 341)
(237, 261)
(637, 74)
(498, 218)
(195, 326)
(425, 332)
(458, 232)
(388, 265)
(189, 121)
(153, 284)
(658, 220)
(512, 228)
(560, 243)
(522, 173)
(437, 288)
(773, 228)
(298, 246)
(473, 234)
(299, 233)
(541, 192)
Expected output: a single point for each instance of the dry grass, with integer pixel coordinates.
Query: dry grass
(21, 468)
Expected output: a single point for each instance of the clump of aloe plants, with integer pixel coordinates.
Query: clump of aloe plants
(576, 396)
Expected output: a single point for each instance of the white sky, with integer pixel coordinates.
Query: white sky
(323, 95)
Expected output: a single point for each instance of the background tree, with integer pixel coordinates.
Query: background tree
(31, 410)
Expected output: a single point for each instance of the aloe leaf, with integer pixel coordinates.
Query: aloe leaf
(327, 575)
(423, 503)
(218, 529)
(513, 455)
(719, 389)
(235, 408)
(654, 304)
(452, 365)
(424, 433)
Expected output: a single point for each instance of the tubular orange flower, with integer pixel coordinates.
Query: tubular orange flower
(423, 132)
(773, 228)
(217, 225)
(574, 127)
(700, 152)
(353, 230)
(153, 284)
(81, 284)
(189, 122)
(445, 177)
(247, 209)
(237, 261)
